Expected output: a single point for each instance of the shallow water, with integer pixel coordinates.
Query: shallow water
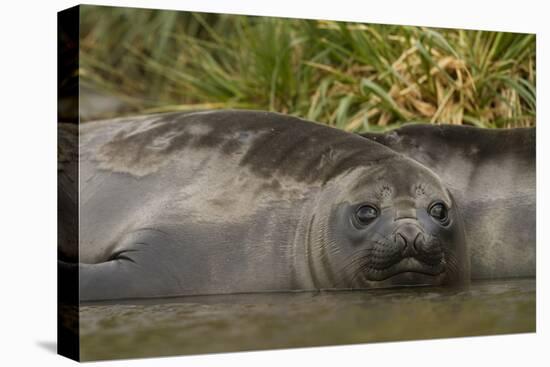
(206, 324)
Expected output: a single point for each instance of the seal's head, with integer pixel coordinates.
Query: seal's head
(387, 224)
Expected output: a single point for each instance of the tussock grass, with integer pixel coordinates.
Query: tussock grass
(357, 77)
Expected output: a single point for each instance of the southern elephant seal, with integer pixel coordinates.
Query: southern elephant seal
(245, 201)
(492, 176)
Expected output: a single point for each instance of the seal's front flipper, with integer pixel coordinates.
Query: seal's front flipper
(143, 267)
(123, 279)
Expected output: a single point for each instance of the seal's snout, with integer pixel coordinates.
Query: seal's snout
(409, 239)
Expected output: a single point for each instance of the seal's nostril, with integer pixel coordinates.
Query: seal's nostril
(409, 240)
(401, 241)
(419, 241)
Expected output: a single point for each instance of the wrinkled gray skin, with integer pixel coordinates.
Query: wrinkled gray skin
(491, 174)
(243, 201)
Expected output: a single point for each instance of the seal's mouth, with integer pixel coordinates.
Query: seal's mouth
(406, 265)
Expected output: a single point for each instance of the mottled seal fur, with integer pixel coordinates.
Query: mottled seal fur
(492, 176)
(245, 201)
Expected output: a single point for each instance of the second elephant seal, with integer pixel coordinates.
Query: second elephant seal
(492, 176)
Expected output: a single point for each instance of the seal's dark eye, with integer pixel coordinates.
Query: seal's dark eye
(439, 212)
(366, 214)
